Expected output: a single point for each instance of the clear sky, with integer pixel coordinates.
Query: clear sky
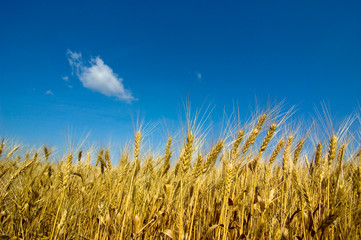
(92, 65)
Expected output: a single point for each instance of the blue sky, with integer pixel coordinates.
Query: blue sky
(94, 66)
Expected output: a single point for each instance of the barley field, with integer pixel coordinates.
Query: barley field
(268, 178)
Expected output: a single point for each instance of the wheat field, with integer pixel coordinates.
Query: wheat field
(265, 179)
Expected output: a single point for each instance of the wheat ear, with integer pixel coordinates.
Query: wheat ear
(252, 137)
(318, 155)
(137, 142)
(236, 144)
(167, 156)
(332, 149)
(12, 152)
(107, 159)
(2, 146)
(286, 154)
(212, 157)
(47, 153)
(276, 151)
(18, 172)
(186, 156)
(298, 150)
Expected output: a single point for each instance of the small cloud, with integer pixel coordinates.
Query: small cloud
(66, 78)
(70, 86)
(49, 92)
(199, 75)
(99, 77)
(74, 60)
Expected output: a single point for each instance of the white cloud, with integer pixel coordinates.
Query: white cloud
(99, 77)
(75, 60)
(66, 78)
(199, 75)
(49, 92)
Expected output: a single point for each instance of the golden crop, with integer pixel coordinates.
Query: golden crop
(258, 182)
